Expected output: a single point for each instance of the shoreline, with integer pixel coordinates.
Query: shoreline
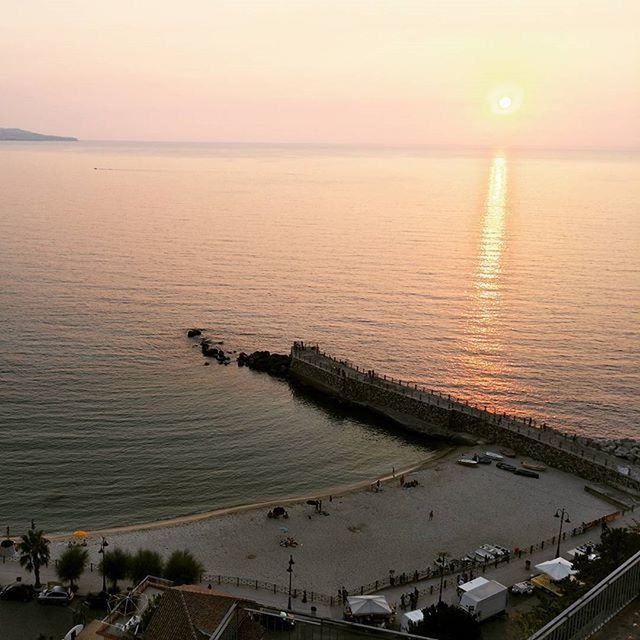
(222, 511)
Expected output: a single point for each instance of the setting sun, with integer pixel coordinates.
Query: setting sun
(504, 102)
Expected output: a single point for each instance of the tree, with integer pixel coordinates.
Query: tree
(183, 568)
(34, 553)
(447, 622)
(71, 564)
(115, 566)
(616, 546)
(145, 563)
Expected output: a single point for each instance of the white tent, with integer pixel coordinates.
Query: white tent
(557, 569)
(409, 618)
(472, 584)
(369, 606)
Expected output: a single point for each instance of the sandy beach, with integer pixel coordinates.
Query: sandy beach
(365, 533)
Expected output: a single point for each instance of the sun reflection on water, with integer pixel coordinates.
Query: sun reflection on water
(490, 259)
(484, 353)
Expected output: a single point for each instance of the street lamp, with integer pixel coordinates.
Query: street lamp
(103, 544)
(564, 517)
(441, 562)
(290, 572)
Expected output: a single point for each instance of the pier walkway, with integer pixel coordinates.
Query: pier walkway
(626, 473)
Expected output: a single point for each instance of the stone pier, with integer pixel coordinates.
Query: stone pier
(438, 414)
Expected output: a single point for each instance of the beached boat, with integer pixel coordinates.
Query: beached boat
(467, 462)
(505, 451)
(533, 466)
(493, 455)
(526, 472)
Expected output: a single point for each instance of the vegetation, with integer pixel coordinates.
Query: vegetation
(34, 553)
(616, 546)
(447, 622)
(114, 566)
(71, 564)
(145, 563)
(183, 568)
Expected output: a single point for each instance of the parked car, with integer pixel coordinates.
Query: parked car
(494, 551)
(56, 595)
(17, 591)
(522, 588)
(484, 556)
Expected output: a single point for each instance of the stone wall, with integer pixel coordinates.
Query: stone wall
(445, 419)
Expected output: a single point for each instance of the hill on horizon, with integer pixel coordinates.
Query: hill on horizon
(30, 136)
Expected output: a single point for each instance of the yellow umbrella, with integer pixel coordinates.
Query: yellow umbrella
(80, 534)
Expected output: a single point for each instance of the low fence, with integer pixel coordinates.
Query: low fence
(593, 610)
(459, 568)
(468, 569)
(305, 595)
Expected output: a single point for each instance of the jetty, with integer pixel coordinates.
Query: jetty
(441, 415)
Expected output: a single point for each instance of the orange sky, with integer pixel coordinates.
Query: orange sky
(347, 71)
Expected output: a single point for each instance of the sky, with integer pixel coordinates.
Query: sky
(396, 72)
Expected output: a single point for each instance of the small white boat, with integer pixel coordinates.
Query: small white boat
(467, 462)
(493, 455)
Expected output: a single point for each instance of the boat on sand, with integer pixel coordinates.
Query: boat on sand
(533, 466)
(467, 462)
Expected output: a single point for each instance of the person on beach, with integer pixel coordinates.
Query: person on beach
(378, 484)
(403, 604)
(431, 515)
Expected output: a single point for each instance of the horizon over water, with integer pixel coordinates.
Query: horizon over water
(509, 279)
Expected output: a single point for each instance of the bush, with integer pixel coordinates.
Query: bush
(145, 563)
(115, 566)
(183, 568)
(447, 622)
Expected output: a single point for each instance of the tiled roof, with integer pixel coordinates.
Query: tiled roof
(194, 613)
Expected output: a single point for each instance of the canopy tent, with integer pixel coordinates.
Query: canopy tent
(410, 618)
(557, 569)
(369, 606)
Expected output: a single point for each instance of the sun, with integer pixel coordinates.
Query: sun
(505, 100)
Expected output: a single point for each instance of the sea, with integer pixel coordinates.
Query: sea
(508, 278)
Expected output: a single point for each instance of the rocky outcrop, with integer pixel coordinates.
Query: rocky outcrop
(275, 364)
(193, 333)
(209, 351)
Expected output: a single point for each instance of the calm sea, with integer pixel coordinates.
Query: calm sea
(509, 279)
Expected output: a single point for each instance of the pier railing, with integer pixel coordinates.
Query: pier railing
(593, 610)
(525, 426)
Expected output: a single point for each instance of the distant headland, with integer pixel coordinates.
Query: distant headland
(30, 136)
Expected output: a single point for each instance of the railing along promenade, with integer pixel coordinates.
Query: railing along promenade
(529, 428)
(594, 609)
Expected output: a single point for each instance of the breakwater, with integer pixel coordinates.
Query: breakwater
(438, 414)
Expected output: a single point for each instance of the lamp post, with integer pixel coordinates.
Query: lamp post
(103, 544)
(564, 517)
(441, 562)
(290, 572)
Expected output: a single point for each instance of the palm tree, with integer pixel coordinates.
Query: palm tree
(34, 553)
(71, 564)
